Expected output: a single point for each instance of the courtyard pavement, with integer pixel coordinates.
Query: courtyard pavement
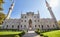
(31, 34)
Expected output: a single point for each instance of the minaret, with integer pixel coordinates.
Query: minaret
(51, 13)
(10, 10)
(21, 13)
(38, 14)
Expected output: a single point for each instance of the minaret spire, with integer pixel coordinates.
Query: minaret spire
(10, 10)
(47, 4)
(38, 13)
(51, 13)
(21, 13)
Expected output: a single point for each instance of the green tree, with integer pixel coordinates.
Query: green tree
(59, 22)
(1, 3)
(2, 17)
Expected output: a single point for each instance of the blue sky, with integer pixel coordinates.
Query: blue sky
(33, 6)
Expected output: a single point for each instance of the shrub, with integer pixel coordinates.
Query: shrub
(38, 32)
(41, 34)
(45, 36)
(17, 36)
(22, 33)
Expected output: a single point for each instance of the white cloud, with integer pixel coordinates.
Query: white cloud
(54, 3)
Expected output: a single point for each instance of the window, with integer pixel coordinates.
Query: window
(3, 27)
(47, 25)
(53, 26)
(7, 26)
(18, 26)
(21, 20)
(34, 16)
(25, 20)
(39, 25)
(21, 25)
(12, 26)
(42, 26)
(37, 16)
(22, 17)
(24, 25)
(38, 20)
(35, 20)
(25, 16)
(35, 25)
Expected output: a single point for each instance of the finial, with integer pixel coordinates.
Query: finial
(12, 1)
(47, 4)
(38, 11)
(21, 12)
(38, 14)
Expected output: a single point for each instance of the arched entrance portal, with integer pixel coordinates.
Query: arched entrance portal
(30, 24)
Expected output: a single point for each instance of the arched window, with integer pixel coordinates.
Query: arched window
(12, 26)
(39, 25)
(42, 26)
(18, 26)
(22, 17)
(25, 16)
(35, 20)
(47, 25)
(34, 16)
(21, 26)
(3, 27)
(24, 25)
(25, 20)
(7, 26)
(21, 20)
(35, 25)
(37, 16)
(38, 20)
(53, 25)
(30, 23)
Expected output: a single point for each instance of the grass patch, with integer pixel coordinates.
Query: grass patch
(11, 33)
(52, 33)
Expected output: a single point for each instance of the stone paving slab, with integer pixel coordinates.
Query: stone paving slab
(31, 34)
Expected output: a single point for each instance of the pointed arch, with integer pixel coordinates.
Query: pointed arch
(30, 23)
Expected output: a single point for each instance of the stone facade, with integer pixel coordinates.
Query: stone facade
(29, 20)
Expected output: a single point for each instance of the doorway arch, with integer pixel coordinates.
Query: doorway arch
(30, 23)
